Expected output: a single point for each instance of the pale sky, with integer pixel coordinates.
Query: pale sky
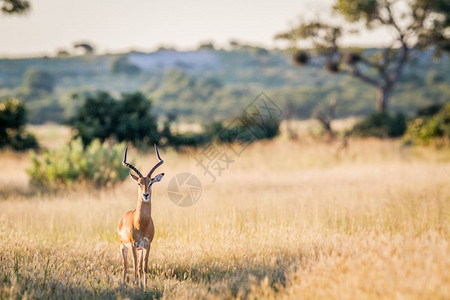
(120, 25)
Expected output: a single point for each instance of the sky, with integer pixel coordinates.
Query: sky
(115, 26)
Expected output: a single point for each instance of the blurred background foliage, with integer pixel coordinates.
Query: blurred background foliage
(213, 92)
(123, 98)
(142, 97)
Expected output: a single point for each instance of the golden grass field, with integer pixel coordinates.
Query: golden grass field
(288, 219)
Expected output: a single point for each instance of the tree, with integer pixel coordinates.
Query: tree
(38, 81)
(96, 118)
(208, 45)
(127, 119)
(418, 24)
(88, 48)
(122, 65)
(134, 122)
(10, 7)
(13, 118)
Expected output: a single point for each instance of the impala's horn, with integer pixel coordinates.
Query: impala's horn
(157, 165)
(130, 165)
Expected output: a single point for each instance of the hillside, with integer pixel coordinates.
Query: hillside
(214, 84)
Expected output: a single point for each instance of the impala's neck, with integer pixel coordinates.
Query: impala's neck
(143, 213)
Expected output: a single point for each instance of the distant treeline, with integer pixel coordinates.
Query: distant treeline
(210, 84)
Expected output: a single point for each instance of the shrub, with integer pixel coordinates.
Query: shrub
(380, 125)
(429, 111)
(428, 128)
(214, 129)
(22, 140)
(188, 139)
(13, 117)
(258, 128)
(99, 164)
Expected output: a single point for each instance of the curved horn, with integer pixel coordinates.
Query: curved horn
(130, 165)
(157, 165)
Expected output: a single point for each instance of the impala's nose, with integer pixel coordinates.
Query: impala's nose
(146, 196)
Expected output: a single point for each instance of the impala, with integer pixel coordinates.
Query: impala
(136, 229)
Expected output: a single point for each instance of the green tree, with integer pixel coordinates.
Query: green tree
(135, 123)
(96, 118)
(13, 118)
(127, 119)
(417, 24)
(37, 82)
(37, 93)
(122, 65)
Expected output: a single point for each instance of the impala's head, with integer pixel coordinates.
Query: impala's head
(145, 182)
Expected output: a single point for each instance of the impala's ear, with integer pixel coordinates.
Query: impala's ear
(134, 177)
(157, 178)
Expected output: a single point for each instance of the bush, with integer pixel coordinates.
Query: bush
(259, 129)
(428, 128)
(97, 165)
(429, 111)
(380, 125)
(188, 139)
(13, 117)
(22, 140)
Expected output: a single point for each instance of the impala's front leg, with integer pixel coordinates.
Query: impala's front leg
(123, 251)
(146, 251)
(135, 261)
(141, 260)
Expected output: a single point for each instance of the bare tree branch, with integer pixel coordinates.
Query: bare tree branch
(400, 63)
(393, 22)
(367, 79)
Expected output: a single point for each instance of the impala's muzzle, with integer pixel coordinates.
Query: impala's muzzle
(146, 197)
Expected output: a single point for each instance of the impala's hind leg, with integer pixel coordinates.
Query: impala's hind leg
(123, 251)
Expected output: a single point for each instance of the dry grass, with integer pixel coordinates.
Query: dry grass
(51, 136)
(287, 220)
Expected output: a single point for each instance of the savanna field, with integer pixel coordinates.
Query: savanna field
(288, 219)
